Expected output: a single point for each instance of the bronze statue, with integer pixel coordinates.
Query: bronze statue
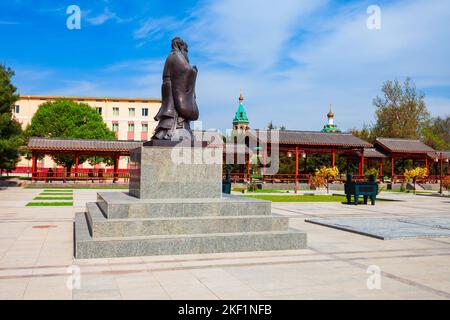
(178, 106)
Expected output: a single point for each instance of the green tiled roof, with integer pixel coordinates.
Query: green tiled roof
(241, 115)
(330, 128)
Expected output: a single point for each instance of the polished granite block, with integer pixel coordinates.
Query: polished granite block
(88, 247)
(121, 205)
(176, 172)
(103, 227)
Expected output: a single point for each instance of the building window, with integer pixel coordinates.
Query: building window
(131, 127)
(115, 127)
(145, 127)
(145, 112)
(115, 111)
(99, 110)
(131, 112)
(17, 109)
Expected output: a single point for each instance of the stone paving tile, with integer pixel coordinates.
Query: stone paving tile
(101, 287)
(48, 288)
(33, 261)
(13, 289)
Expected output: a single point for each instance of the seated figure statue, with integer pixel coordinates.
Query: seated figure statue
(179, 105)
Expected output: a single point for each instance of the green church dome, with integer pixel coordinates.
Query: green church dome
(241, 115)
(330, 126)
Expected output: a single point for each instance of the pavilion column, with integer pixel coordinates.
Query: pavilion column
(264, 163)
(392, 168)
(296, 169)
(441, 173)
(33, 165)
(76, 164)
(381, 168)
(333, 158)
(361, 164)
(306, 163)
(116, 167)
(347, 165)
(248, 168)
(427, 166)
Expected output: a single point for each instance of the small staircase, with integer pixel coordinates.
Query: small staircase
(120, 225)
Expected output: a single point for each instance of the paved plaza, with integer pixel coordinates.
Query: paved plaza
(36, 258)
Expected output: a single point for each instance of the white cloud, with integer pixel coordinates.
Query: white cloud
(156, 28)
(248, 33)
(76, 88)
(292, 58)
(338, 61)
(105, 16)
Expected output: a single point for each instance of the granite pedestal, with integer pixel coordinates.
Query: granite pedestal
(176, 207)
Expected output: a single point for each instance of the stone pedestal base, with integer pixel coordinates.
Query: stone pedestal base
(176, 207)
(176, 173)
(119, 225)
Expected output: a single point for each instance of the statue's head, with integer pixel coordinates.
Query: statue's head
(179, 44)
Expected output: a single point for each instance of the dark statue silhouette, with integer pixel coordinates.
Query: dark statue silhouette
(178, 106)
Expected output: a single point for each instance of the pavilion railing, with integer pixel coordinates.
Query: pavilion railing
(48, 176)
(428, 179)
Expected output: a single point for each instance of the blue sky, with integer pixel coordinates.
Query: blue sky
(291, 58)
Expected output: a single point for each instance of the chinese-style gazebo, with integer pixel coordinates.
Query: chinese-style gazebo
(77, 148)
(303, 143)
(393, 149)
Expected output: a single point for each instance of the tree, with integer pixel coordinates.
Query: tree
(446, 184)
(366, 133)
(69, 119)
(10, 129)
(272, 126)
(437, 133)
(401, 112)
(323, 176)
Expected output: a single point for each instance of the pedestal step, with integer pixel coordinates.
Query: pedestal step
(120, 205)
(102, 227)
(87, 247)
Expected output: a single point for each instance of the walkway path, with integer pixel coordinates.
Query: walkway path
(36, 246)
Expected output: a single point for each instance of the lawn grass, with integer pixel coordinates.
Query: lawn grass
(8, 177)
(52, 198)
(50, 204)
(58, 190)
(55, 194)
(270, 191)
(303, 198)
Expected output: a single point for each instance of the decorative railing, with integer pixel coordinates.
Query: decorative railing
(47, 176)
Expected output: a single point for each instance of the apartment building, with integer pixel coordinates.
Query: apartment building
(129, 118)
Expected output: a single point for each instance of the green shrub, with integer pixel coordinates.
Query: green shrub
(372, 172)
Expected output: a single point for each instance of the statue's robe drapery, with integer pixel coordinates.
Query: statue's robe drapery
(178, 106)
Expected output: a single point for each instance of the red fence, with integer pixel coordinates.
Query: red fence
(81, 174)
